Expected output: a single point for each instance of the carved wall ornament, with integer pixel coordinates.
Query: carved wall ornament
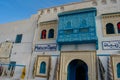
(88, 57)
(43, 65)
(113, 20)
(49, 25)
(116, 66)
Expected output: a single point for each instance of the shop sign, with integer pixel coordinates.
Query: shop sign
(111, 45)
(45, 47)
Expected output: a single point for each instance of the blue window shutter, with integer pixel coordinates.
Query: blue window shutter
(51, 33)
(18, 38)
(118, 70)
(43, 68)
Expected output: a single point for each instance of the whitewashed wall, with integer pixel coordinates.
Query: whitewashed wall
(103, 9)
(109, 7)
(22, 52)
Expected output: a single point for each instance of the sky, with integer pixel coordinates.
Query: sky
(14, 10)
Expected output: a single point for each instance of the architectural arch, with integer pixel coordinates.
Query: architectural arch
(118, 27)
(110, 28)
(43, 34)
(51, 33)
(42, 68)
(77, 70)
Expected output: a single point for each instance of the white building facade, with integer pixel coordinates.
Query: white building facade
(77, 41)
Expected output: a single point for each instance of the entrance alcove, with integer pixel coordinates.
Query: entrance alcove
(77, 70)
(78, 65)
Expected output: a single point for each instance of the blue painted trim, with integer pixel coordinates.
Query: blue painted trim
(103, 54)
(13, 65)
(118, 70)
(42, 67)
(55, 55)
(96, 55)
(77, 42)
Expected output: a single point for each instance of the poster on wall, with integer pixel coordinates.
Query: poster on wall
(111, 45)
(5, 49)
(45, 47)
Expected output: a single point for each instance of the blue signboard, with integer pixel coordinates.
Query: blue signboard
(45, 47)
(111, 45)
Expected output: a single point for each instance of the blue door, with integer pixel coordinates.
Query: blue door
(77, 70)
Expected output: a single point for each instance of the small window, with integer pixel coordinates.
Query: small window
(18, 38)
(43, 34)
(43, 68)
(51, 33)
(84, 30)
(118, 27)
(110, 28)
(70, 31)
(118, 70)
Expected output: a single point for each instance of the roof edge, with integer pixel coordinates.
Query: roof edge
(78, 11)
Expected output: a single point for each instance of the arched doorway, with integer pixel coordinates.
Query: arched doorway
(77, 70)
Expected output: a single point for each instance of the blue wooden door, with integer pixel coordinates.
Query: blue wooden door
(77, 70)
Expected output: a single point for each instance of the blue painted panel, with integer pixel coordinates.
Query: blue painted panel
(77, 27)
(118, 70)
(18, 38)
(43, 68)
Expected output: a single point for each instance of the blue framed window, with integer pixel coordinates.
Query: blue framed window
(51, 33)
(110, 28)
(42, 68)
(118, 70)
(18, 38)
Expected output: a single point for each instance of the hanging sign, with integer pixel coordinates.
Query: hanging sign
(111, 45)
(45, 47)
